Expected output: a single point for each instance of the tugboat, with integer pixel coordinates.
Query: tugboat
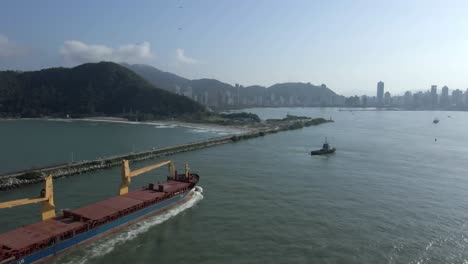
(436, 120)
(326, 149)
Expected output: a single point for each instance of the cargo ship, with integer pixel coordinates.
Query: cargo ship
(56, 233)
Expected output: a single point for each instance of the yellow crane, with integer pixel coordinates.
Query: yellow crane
(127, 174)
(47, 194)
(46, 198)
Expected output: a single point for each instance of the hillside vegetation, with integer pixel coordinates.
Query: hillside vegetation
(103, 88)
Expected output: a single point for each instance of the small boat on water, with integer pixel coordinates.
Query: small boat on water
(326, 149)
(436, 120)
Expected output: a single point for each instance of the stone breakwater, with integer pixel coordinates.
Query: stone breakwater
(18, 179)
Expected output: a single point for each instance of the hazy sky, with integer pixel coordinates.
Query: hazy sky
(347, 45)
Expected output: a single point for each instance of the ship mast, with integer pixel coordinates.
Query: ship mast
(187, 170)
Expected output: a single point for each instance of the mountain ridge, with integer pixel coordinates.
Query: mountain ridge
(87, 89)
(219, 95)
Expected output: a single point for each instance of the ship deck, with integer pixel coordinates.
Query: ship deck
(38, 233)
(35, 236)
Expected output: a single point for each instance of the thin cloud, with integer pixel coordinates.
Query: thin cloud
(181, 57)
(76, 52)
(9, 49)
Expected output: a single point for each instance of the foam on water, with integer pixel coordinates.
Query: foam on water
(200, 130)
(58, 120)
(105, 245)
(194, 128)
(165, 126)
(216, 130)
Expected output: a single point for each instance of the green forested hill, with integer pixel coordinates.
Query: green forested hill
(89, 89)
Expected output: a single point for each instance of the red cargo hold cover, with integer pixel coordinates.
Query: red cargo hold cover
(35, 233)
(173, 186)
(144, 195)
(106, 208)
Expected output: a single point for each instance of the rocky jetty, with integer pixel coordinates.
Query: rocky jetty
(259, 129)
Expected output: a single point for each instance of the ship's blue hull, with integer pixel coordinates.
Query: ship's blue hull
(95, 232)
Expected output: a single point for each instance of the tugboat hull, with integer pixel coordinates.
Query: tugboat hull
(322, 152)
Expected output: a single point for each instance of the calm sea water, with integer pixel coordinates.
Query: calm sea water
(390, 194)
(34, 143)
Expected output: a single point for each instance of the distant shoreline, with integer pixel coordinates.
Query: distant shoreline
(162, 123)
(373, 109)
(347, 108)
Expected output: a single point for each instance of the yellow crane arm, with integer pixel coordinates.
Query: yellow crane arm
(146, 169)
(127, 174)
(22, 202)
(47, 199)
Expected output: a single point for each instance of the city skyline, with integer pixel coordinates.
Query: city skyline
(346, 45)
(428, 89)
(428, 99)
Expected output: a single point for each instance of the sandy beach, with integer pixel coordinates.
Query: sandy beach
(199, 127)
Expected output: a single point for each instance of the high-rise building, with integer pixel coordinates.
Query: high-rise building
(398, 100)
(205, 98)
(444, 96)
(380, 92)
(364, 100)
(178, 90)
(188, 92)
(388, 98)
(237, 94)
(457, 97)
(433, 95)
(418, 99)
(408, 98)
(466, 97)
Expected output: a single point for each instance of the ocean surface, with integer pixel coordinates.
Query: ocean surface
(396, 190)
(34, 143)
